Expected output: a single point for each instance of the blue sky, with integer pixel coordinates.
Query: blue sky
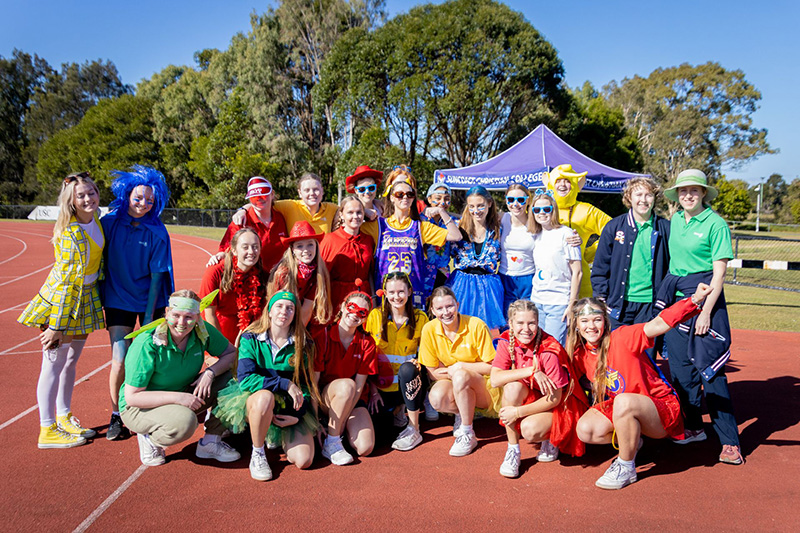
(598, 41)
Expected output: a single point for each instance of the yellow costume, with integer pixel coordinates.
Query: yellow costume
(584, 218)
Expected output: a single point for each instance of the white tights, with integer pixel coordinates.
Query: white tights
(56, 381)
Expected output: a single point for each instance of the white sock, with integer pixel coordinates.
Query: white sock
(466, 428)
(330, 439)
(514, 447)
(627, 464)
(258, 450)
(115, 413)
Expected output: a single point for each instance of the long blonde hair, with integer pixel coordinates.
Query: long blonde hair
(533, 226)
(304, 348)
(284, 277)
(575, 341)
(66, 201)
(226, 283)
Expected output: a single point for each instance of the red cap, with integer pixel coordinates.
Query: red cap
(258, 186)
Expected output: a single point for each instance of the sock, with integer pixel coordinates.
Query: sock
(209, 439)
(514, 447)
(258, 450)
(330, 439)
(53, 362)
(116, 413)
(466, 428)
(627, 464)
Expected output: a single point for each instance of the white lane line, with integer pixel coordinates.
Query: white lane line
(24, 247)
(48, 236)
(40, 351)
(12, 308)
(190, 244)
(29, 410)
(18, 345)
(110, 500)
(27, 275)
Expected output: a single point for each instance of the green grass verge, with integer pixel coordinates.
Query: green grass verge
(195, 231)
(763, 309)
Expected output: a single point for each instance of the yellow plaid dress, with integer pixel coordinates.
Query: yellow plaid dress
(64, 303)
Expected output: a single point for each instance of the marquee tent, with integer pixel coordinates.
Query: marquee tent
(527, 161)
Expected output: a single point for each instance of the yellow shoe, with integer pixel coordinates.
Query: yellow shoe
(72, 425)
(55, 437)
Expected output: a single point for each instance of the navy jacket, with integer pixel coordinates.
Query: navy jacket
(613, 259)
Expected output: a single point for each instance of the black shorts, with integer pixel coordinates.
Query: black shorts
(119, 317)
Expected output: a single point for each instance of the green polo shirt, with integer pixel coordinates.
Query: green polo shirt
(695, 245)
(166, 368)
(640, 274)
(261, 351)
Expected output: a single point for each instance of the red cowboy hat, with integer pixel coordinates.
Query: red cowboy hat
(301, 231)
(362, 172)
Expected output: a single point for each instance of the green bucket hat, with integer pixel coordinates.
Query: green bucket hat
(690, 177)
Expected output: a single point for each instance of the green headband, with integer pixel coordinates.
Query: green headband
(184, 304)
(281, 295)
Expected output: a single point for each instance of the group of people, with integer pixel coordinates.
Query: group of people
(314, 318)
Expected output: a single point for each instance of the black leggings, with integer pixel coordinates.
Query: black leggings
(413, 386)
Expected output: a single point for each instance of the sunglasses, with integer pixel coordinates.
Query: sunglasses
(541, 190)
(400, 195)
(354, 308)
(402, 167)
(363, 189)
(521, 200)
(547, 209)
(74, 177)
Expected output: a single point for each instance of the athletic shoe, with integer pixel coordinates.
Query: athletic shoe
(456, 424)
(464, 445)
(259, 467)
(731, 455)
(408, 439)
(400, 419)
(55, 437)
(510, 466)
(547, 453)
(150, 453)
(272, 444)
(70, 424)
(617, 476)
(335, 453)
(692, 435)
(220, 450)
(116, 429)
(431, 414)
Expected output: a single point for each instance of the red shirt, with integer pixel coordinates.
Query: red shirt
(347, 257)
(227, 311)
(335, 361)
(549, 359)
(271, 247)
(628, 368)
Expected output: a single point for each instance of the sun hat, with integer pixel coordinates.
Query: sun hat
(301, 231)
(258, 186)
(688, 178)
(362, 172)
(435, 188)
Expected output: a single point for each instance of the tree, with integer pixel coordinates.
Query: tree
(691, 116)
(733, 201)
(793, 201)
(114, 134)
(773, 194)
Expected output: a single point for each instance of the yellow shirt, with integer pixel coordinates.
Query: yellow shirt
(430, 233)
(295, 211)
(473, 343)
(397, 347)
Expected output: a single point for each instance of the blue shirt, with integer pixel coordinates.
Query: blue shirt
(133, 253)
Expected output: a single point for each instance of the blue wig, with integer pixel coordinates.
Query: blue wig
(125, 182)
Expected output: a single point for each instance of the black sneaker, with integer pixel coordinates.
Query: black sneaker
(116, 429)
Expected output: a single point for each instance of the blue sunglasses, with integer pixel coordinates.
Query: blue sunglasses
(521, 200)
(366, 188)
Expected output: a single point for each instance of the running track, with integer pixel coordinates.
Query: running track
(102, 486)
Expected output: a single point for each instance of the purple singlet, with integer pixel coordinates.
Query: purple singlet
(401, 250)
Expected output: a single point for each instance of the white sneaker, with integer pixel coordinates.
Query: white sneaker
(617, 476)
(272, 444)
(431, 414)
(510, 466)
(259, 467)
(547, 453)
(456, 424)
(408, 439)
(150, 453)
(335, 453)
(400, 419)
(219, 450)
(464, 444)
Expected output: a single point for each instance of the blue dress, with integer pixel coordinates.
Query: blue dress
(475, 282)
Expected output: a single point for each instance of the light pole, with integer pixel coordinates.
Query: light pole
(758, 205)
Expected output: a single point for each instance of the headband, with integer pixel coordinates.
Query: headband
(184, 304)
(589, 310)
(281, 295)
(480, 190)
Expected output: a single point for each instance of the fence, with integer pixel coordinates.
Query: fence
(765, 261)
(215, 218)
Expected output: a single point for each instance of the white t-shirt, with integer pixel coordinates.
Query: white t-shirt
(94, 233)
(516, 249)
(551, 253)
